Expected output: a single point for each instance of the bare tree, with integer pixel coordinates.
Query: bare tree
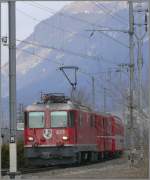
(81, 96)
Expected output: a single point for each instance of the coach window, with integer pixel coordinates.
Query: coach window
(36, 120)
(71, 119)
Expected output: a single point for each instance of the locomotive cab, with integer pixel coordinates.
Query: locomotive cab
(49, 127)
(49, 133)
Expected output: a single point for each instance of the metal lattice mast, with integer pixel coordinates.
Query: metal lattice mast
(140, 59)
(140, 37)
(131, 49)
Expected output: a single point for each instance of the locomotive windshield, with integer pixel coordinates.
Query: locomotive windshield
(58, 119)
(36, 119)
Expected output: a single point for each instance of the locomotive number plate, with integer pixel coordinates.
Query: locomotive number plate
(60, 131)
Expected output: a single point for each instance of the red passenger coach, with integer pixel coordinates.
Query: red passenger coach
(58, 131)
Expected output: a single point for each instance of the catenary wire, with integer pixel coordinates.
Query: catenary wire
(84, 56)
(103, 33)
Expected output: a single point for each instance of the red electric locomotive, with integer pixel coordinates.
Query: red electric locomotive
(58, 131)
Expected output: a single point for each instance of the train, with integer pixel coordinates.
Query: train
(60, 131)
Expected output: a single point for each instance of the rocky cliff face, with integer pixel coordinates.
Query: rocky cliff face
(64, 39)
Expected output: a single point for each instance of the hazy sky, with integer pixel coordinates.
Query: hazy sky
(28, 14)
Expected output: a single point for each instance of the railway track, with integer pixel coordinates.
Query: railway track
(36, 170)
(22, 171)
(42, 169)
(31, 170)
(5, 172)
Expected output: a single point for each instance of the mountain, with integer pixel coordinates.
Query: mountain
(65, 39)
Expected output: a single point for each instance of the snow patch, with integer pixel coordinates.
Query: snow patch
(87, 12)
(60, 56)
(44, 70)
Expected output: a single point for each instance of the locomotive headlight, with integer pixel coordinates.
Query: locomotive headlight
(30, 138)
(65, 138)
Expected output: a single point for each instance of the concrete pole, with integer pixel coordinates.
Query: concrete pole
(149, 64)
(131, 42)
(149, 51)
(12, 86)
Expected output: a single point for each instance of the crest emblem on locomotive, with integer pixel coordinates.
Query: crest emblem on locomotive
(47, 133)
